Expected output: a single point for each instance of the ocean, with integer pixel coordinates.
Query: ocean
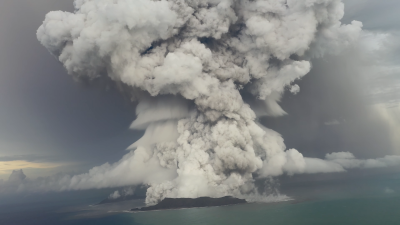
(351, 211)
(344, 212)
(377, 204)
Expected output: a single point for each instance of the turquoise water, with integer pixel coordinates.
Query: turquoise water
(346, 211)
(364, 211)
(371, 202)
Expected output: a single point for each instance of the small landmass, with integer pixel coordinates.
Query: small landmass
(180, 203)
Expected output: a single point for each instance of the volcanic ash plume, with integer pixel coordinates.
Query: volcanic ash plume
(189, 63)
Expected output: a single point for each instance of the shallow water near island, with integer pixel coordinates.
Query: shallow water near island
(377, 203)
(372, 210)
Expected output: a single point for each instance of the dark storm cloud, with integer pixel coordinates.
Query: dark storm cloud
(331, 113)
(333, 110)
(44, 112)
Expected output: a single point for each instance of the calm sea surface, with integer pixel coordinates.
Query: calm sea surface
(374, 202)
(374, 210)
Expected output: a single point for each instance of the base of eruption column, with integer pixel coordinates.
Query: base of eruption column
(180, 203)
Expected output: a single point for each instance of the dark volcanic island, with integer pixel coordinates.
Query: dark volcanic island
(180, 203)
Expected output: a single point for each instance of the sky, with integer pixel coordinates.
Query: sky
(49, 123)
(45, 116)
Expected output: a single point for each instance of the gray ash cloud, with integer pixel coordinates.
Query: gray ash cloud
(189, 65)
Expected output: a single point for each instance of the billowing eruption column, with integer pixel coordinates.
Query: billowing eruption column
(188, 63)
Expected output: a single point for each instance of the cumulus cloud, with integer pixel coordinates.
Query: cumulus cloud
(114, 195)
(295, 89)
(17, 176)
(209, 54)
(125, 192)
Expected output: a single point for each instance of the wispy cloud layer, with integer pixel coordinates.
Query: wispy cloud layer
(7, 166)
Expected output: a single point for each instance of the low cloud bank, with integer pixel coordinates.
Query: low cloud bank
(292, 162)
(132, 171)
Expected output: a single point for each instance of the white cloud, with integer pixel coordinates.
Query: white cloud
(295, 89)
(114, 195)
